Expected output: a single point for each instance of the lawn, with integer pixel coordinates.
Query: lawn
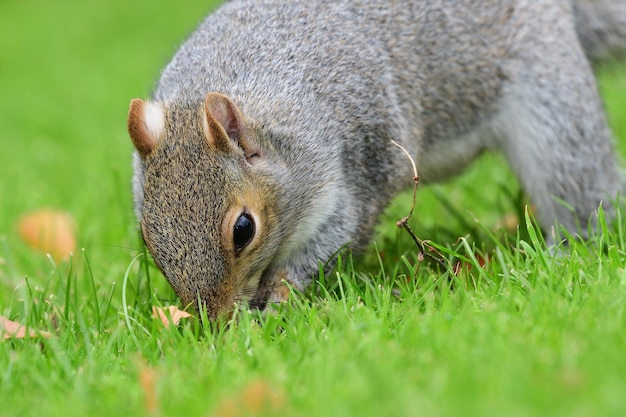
(511, 331)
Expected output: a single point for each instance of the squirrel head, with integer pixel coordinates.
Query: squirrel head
(208, 212)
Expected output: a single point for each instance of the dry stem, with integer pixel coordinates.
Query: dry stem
(423, 246)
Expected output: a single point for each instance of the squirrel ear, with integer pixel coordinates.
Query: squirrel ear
(223, 117)
(146, 125)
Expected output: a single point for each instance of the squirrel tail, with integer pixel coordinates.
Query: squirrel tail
(601, 27)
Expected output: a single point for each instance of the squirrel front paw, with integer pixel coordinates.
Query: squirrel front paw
(274, 289)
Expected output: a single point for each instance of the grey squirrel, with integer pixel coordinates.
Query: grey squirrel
(266, 145)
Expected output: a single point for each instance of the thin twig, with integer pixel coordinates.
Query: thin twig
(423, 246)
(416, 180)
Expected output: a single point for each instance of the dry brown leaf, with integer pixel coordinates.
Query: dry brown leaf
(49, 231)
(147, 381)
(12, 330)
(258, 397)
(510, 221)
(170, 312)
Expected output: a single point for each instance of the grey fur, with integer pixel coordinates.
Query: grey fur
(601, 27)
(325, 84)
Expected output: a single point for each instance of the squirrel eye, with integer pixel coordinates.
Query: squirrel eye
(243, 232)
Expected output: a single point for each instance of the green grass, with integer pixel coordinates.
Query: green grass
(528, 334)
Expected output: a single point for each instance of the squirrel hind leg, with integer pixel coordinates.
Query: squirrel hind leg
(560, 147)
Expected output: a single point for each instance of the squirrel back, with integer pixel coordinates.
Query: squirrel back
(266, 145)
(601, 27)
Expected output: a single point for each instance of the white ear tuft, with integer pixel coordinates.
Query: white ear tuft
(154, 118)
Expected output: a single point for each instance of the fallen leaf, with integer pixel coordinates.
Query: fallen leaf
(49, 231)
(509, 223)
(169, 314)
(258, 397)
(13, 330)
(147, 381)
